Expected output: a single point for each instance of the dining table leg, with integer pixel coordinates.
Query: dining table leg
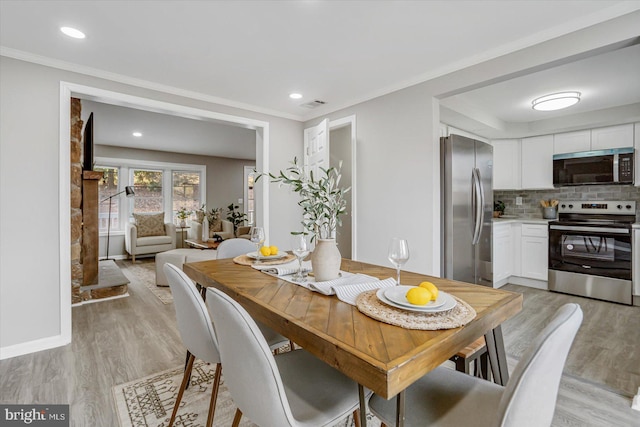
(363, 406)
(400, 409)
(497, 356)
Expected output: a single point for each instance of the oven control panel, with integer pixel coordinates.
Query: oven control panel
(615, 207)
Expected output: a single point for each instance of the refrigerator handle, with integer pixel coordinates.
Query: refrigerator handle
(476, 206)
(482, 202)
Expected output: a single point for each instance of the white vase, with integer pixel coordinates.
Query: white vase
(325, 260)
(205, 231)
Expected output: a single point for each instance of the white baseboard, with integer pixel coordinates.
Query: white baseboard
(532, 283)
(32, 346)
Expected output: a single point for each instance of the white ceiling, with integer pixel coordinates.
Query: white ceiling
(252, 54)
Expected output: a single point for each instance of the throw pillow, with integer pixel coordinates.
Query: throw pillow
(150, 224)
(217, 225)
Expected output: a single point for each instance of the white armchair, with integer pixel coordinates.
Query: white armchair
(195, 230)
(149, 244)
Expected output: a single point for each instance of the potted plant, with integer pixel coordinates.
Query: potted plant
(200, 213)
(236, 217)
(323, 202)
(498, 209)
(182, 214)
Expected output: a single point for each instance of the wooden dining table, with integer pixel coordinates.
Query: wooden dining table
(381, 357)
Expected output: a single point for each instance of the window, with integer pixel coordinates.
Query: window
(108, 186)
(186, 190)
(148, 187)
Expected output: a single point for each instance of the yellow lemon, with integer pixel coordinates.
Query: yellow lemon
(273, 250)
(265, 251)
(431, 288)
(418, 296)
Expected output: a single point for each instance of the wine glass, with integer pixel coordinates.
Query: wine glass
(300, 248)
(257, 237)
(398, 254)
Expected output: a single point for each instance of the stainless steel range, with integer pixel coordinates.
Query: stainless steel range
(591, 250)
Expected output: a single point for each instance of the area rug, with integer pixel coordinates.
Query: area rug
(144, 271)
(149, 401)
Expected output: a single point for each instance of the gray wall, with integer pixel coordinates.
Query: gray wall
(397, 170)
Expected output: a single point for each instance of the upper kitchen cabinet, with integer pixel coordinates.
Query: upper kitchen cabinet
(572, 142)
(537, 162)
(612, 137)
(506, 164)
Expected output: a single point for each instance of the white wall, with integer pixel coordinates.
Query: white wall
(397, 170)
(30, 282)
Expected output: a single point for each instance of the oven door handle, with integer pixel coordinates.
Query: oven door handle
(590, 229)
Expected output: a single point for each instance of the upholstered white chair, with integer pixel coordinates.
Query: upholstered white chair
(138, 243)
(445, 397)
(195, 230)
(289, 389)
(197, 333)
(234, 247)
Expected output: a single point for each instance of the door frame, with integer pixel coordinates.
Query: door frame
(69, 90)
(337, 124)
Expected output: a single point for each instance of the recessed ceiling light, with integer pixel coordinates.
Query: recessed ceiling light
(72, 32)
(556, 101)
(137, 134)
(295, 95)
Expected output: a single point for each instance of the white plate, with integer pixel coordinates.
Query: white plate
(254, 255)
(398, 294)
(448, 305)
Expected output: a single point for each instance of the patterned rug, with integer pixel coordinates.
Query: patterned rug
(144, 271)
(149, 401)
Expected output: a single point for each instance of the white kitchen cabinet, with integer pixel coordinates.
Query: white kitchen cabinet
(635, 268)
(572, 142)
(534, 251)
(537, 162)
(506, 164)
(502, 253)
(637, 159)
(612, 137)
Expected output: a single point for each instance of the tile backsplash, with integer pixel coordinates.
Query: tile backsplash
(531, 208)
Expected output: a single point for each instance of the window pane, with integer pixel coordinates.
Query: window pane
(186, 190)
(148, 188)
(108, 186)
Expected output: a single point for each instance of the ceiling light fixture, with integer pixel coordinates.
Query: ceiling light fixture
(556, 101)
(137, 134)
(295, 95)
(72, 32)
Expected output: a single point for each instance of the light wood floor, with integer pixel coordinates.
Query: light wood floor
(124, 339)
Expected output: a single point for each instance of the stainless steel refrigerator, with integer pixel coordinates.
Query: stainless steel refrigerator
(467, 209)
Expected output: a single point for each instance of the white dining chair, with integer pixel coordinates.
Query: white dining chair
(232, 248)
(447, 398)
(198, 335)
(290, 389)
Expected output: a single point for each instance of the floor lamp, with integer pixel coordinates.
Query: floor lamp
(130, 193)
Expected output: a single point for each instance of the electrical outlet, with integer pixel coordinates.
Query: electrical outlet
(518, 201)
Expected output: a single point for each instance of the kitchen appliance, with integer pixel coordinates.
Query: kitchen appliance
(467, 208)
(613, 166)
(591, 250)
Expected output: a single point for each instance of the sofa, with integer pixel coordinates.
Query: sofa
(140, 238)
(195, 230)
(179, 257)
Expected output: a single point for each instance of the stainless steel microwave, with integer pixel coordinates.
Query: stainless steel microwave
(613, 166)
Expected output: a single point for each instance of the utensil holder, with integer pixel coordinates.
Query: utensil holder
(549, 213)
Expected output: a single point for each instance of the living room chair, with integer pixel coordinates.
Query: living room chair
(289, 389)
(445, 397)
(149, 235)
(197, 333)
(234, 247)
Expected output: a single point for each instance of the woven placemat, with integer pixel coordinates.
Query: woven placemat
(245, 260)
(369, 304)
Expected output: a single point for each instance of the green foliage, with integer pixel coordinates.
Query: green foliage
(236, 217)
(183, 213)
(213, 215)
(499, 206)
(322, 199)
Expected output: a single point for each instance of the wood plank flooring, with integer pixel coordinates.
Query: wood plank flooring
(124, 339)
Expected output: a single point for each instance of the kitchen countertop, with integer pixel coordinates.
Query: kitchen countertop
(521, 220)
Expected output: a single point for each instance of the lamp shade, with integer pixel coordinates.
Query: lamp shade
(129, 191)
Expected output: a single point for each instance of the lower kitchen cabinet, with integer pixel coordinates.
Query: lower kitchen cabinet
(534, 262)
(502, 253)
(520, 253)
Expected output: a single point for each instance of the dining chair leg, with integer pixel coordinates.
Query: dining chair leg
(214, 395)
(362, 409)
(185, 378)
(236, 418)
(356, 418)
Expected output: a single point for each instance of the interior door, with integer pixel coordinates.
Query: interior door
(316, 148)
